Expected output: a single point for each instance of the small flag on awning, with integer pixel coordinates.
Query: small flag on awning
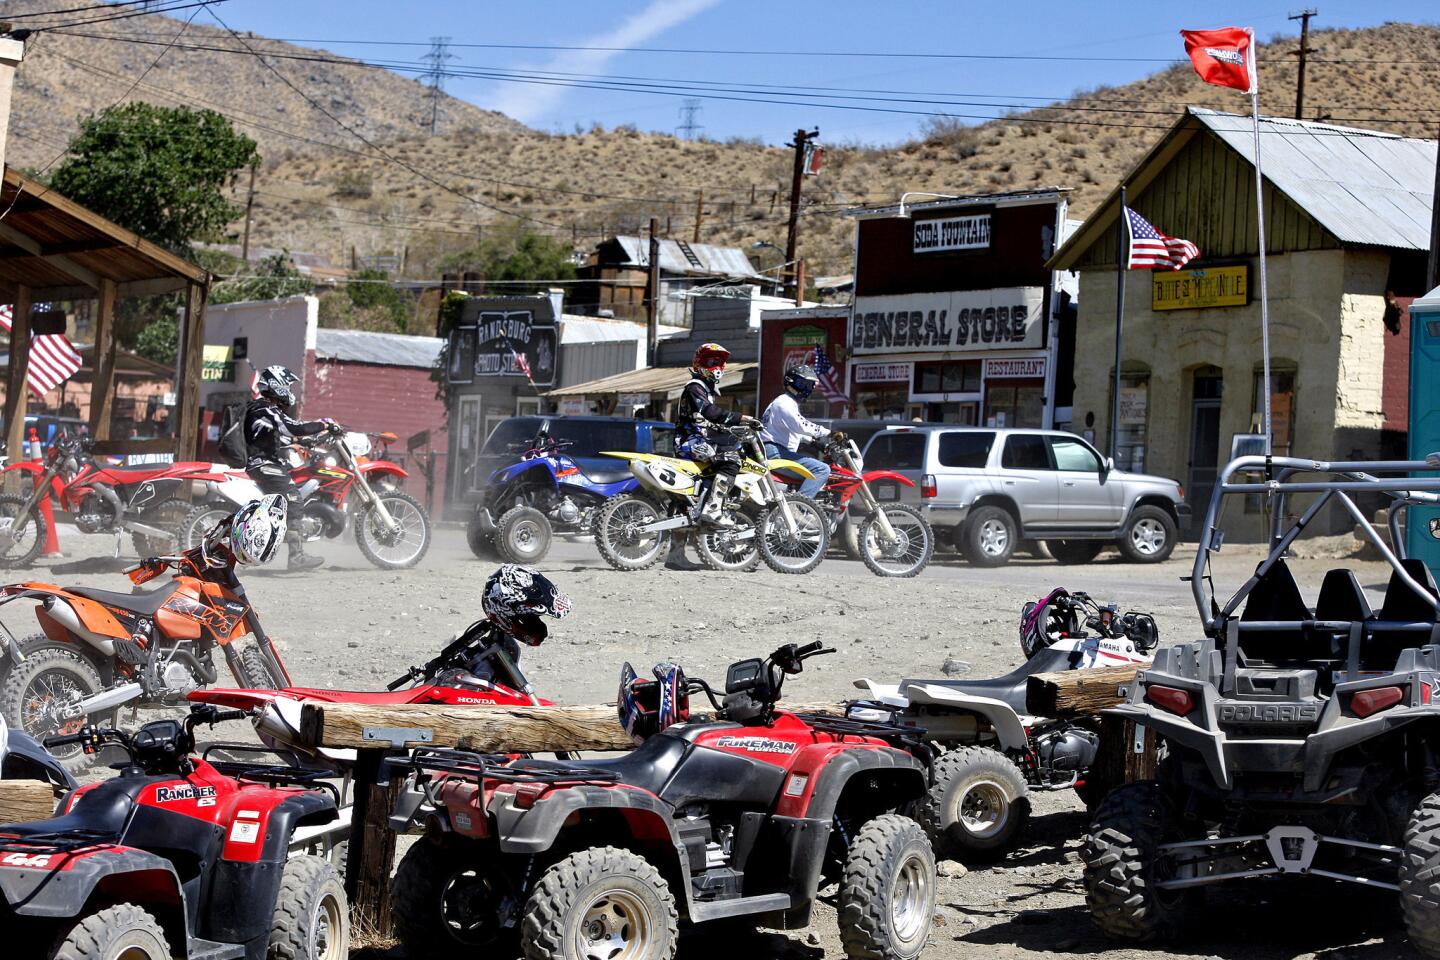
(1151, 249)
(825, 371)
(53, 359)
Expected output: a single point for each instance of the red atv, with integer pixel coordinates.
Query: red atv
(893, 539)
(143, 501)
(174, 858)
(746, 815)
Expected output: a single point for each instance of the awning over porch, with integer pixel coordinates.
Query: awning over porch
(651, 380)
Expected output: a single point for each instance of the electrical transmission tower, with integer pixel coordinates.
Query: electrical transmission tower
(435, 76)
(688, 128)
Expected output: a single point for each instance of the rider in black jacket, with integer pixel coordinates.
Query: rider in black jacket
(269, 432)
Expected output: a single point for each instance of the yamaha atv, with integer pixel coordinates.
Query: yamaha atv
(1295, 740)
(545, 492)
(996, 750)
(174, 858)
(743, 816)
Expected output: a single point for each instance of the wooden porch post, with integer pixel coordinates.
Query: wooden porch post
(192, 360)
(16, 392)
(102, 388)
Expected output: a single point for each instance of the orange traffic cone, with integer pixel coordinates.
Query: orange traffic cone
(47, 510)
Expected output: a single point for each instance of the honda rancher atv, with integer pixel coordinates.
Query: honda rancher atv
(173, 858)
(1295, 740)
(747, 815)
(996, 750)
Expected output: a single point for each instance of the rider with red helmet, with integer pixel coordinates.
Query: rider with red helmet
(699, 420)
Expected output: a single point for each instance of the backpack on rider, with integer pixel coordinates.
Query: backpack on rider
(233, 450)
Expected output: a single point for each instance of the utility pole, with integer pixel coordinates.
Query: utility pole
(688, 127)
(1432, 272)
(652, 294)
(249, 206)
(435, 76)
(699, 214)
(802, 138)
(1304, 17)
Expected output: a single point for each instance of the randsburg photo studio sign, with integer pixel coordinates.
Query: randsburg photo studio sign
(962, 321)
(490, 345)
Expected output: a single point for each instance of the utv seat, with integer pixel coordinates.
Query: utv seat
(1382, 645)
(1340, 600)
(1275, 597)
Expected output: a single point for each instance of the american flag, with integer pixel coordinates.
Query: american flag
(825, 370)
(1149, 248)
(522, 363)
(53, 359)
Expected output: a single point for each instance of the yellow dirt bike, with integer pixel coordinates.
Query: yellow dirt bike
(789, 532)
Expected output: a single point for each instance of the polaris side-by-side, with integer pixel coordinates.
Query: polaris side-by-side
(1299, 737)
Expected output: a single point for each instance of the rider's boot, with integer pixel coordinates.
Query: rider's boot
(299, 559)
(676, 559)
(712, 510)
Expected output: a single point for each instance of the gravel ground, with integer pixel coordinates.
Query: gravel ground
(350, 625)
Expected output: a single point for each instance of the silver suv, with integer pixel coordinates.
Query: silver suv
(993, 488)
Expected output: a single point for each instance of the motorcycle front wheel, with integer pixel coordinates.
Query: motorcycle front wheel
(910, 550)
(730, 548)
(397, 547)
(22, 532)
(200, 521)
(800, 551)
(619, 538)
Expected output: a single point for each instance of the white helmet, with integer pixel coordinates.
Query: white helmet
(257, 529)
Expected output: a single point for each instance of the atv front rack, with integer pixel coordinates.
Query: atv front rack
(469, 764)
(909, 739)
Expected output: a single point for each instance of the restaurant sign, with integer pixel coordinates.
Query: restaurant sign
(961, 321)
(1193, 289)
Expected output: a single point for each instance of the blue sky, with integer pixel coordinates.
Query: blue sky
(1096, 28)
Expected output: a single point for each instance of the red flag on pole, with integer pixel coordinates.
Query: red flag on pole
(1224, 57)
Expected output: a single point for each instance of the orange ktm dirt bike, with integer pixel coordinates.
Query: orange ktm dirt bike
(101, 650)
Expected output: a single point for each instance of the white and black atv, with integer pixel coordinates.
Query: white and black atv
(995, 750)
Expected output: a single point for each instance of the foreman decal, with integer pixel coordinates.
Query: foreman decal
(961, 321)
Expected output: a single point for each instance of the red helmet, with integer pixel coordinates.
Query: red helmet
(710, 360)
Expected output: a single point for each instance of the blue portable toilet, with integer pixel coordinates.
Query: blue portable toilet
(1424, 418)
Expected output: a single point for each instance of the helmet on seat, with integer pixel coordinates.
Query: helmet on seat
(273, 383)
(514, 599)
(257, 529)
(1047, 620)
(709, 362)
(648, 706)
(801, 380)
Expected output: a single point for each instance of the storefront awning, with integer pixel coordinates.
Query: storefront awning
(667, 380)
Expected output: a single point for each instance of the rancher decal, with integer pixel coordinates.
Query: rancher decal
(183, 792)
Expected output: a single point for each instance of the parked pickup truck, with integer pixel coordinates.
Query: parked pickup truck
(992, 488)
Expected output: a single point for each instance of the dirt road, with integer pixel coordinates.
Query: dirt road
(352, 625)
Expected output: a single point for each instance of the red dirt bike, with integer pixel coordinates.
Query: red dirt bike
(101, 650)
(748, 814)
(891, 539)
(175, 857)
(142, 501)
(392, 529)
(477, 668)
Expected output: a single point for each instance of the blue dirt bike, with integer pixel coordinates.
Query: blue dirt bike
(544, 493)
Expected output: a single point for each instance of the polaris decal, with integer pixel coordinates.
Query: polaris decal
(756, 745)
(1269, 712)
(183, 792)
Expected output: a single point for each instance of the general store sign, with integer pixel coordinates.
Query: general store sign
(952, 233)
(882, 372)
(1028, 368)
(961, 321)
(1193, 289)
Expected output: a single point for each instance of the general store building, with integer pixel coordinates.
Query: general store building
(1347, 216)
(956, 317)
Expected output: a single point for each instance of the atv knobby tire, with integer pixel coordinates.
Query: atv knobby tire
(976, 807)
(312, 916)
(1420, 877)
(887, 891)
(123, 930)
(480, 541)
(523, 535)
(604, 897)
(445, 902)
(1119, 854)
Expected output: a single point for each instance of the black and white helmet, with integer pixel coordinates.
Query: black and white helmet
(257, 529)
(516, 597)
(273, 383)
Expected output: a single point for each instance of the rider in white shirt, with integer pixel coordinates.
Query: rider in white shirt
(786, 427)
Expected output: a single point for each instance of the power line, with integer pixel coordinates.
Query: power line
(437, 56)
(172, 7)
(93, 6)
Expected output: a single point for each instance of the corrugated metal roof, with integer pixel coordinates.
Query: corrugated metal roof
(714, 261)
(668, 380)
(579, 329)
(389, 349)
(1362, 185)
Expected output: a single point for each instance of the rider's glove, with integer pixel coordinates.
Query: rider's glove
(332, 427)
(837, 436)
(751, 422)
